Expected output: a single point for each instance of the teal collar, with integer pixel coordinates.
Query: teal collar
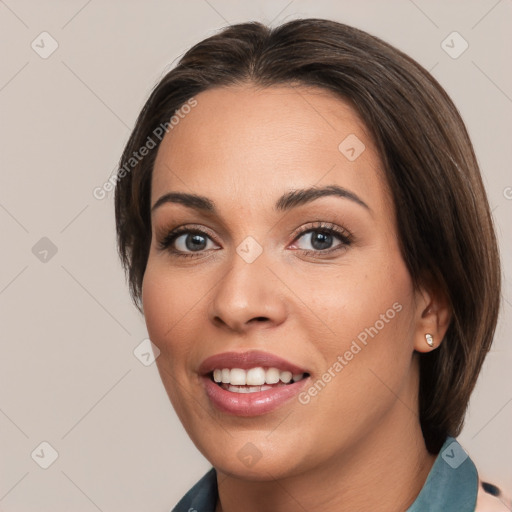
(451, 485)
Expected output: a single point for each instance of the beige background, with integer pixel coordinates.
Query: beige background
(68, 330)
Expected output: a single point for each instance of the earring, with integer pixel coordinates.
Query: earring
(429, 339)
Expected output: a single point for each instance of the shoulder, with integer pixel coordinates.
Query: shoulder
(491, 498)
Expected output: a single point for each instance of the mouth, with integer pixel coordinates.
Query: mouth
(250, 383)
(254, 380)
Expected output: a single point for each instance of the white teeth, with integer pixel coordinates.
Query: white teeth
(286, 377)
(225, 375)
(238, 377)
(254, 377)
(247, 389)
(238, 389)
(272, 376)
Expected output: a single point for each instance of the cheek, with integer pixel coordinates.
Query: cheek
(383, 327)
(168, 310)
(370, 312)
(368, 359)
(362, 297)
(155, 301)
(167, 306)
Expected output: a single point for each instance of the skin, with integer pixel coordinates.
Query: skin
(357, 444)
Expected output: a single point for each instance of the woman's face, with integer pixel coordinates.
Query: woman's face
(267, 278)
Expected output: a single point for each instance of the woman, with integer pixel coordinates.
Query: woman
(304, 227)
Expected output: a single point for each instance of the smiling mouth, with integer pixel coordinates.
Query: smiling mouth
(254, 380)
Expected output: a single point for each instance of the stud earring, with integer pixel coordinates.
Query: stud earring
(429, 339)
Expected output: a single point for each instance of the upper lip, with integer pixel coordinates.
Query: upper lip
(247, 360)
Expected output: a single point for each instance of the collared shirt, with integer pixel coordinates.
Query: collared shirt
(452, 485)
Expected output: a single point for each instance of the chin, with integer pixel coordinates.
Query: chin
(251, 455)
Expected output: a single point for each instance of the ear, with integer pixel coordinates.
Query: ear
(433, 316)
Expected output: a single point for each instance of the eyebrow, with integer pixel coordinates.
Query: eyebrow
(287, 201)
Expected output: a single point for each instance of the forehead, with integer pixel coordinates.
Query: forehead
(244, 142)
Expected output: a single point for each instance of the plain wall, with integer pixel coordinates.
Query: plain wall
(68, 373)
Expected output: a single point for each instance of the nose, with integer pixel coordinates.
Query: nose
(249, 296)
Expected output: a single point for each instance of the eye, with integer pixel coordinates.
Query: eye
(191, 242)
(314, 239)
(322, 238)
(186, 242)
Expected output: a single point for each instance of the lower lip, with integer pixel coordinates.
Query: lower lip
(250, 404)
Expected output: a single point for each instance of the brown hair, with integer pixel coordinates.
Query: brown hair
(444, 223)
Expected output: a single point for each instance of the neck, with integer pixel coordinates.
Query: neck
(383, 471)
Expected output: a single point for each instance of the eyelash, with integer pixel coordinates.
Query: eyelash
(323, 227)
